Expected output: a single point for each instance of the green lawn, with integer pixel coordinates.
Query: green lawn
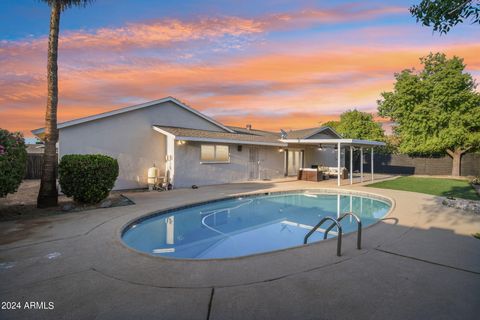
(436, 186)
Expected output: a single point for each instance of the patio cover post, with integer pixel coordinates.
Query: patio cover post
(338, 163)
(338, 205)
(361, 164)
(351, 165)
(371, 160)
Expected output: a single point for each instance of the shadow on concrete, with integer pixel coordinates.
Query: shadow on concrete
(426, 271)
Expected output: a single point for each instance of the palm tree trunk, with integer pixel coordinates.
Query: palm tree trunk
(48, 194)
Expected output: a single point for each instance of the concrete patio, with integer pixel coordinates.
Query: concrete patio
(420, 262)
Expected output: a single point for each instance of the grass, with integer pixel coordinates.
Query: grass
(435, 186)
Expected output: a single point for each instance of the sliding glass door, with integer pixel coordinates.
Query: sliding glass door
(294, 161)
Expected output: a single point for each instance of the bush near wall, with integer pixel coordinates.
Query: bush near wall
(88, 178)
(13, 159)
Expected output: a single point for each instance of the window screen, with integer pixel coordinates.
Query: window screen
(221, 153)
(207, 153)
(214, 153)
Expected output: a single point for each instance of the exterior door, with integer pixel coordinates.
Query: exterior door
(253, 163)
(294, 162)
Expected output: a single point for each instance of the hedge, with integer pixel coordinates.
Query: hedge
(13, 160)
(88, 178)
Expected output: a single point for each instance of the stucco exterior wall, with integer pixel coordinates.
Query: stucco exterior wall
(190, 171)
(327, 156)
(130, 139)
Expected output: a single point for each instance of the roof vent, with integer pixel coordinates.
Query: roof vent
(249, 127)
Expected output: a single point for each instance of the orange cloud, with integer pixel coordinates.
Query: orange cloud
(274, 122)
(160, 33)
(168, 32)
(292, 90)
(279, 85)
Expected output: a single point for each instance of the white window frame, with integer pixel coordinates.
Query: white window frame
(214, 153)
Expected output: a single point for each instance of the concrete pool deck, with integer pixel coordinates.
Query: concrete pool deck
(421, 262)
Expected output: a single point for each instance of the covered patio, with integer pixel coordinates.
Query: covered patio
(338, 144)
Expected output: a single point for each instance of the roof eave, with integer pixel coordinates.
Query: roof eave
(232, 141)
(38, 131)
(357, 142)
(321, 129)
(132, 108)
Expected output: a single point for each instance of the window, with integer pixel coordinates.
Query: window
(214, 153)
(207, 153)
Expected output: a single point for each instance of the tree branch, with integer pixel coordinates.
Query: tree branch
(459, 6)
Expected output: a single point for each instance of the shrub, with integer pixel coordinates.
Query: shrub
(475, 180)
(13, 159)
(87, 178)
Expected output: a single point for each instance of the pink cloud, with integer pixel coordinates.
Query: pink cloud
(297, 83)
(321, 84)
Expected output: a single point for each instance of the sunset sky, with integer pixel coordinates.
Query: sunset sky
(274, 64)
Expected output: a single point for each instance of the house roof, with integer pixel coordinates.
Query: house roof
(35, 148)
(221, 137)
(307, 133)
(40, 131)
(304, 136)
(344, 142)
(255, 132)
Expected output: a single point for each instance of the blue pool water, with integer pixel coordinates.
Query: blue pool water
(243, 226)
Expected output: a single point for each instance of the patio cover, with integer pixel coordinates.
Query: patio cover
(352, 143)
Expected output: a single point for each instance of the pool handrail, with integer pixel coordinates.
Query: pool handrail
(339, 237)
(359, 227)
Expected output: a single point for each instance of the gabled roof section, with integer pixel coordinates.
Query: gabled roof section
(188, 134)
(132, 108)
(307, 133)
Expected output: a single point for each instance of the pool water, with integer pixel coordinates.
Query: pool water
(248, 225)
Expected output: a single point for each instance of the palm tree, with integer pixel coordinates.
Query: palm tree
(48, 194)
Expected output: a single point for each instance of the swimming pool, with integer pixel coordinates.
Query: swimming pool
(248, 225)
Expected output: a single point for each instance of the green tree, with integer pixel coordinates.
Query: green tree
(437, 109)
(355, 124)
(332, 124)
(13, 160)
(445, 14)
(48, 194)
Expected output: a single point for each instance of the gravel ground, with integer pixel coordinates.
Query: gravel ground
(22, 204)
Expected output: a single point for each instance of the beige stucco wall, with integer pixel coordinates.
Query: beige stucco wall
(130, 139)
(190, 171)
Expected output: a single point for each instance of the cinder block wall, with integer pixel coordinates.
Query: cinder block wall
(405, 164)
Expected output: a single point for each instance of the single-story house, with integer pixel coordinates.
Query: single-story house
(190, 148)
